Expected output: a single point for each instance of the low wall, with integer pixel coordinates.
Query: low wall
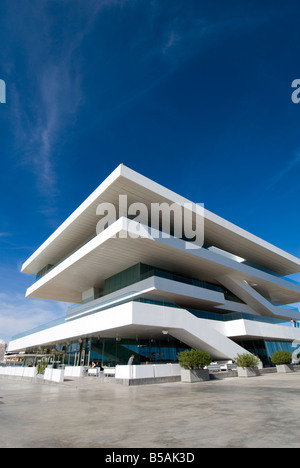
(18, 371)
(53, 375)
(151, 373)
(75, 371)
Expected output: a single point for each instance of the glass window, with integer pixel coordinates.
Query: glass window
(111, 351)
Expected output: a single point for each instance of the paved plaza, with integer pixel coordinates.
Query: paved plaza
(258, 412)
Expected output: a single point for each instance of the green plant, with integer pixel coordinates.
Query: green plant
(42, 366)
(246, 360)
(282, 357)
(194, 359)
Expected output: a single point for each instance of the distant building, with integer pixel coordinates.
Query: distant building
(2, 350)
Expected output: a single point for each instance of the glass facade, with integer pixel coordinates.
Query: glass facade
(115, 351)
(273, 346)
(265, 349)
(68, 354)
(112, 351)
(237, 316)
(141, 272)
(42, 272)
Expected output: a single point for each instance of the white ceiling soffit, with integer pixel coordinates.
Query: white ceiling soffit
(80, 226)
(106, 255)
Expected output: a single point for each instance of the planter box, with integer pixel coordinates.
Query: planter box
(248, 371)
(195, 375)
(75, 371)
(54, 375)
(285, 368)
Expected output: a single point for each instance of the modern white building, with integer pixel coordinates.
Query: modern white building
(137, 290)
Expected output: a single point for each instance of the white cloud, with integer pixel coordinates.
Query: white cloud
(18, 314)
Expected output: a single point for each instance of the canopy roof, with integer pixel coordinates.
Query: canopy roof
(80, 226)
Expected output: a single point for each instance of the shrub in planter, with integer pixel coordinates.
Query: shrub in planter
(282, 357)
(194, 359)
(247, 365)
(283, 360)
(193, 362)
(42, 366)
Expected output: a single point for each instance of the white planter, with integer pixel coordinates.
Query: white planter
(148, 372)
(30, 372)
(54, 375)
(248, 371)
(74, 371)
(195, 375)
(285, 368)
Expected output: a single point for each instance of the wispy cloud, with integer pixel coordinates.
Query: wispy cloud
(47, 98)
(285, 170)
(46, 112)
(182, 38)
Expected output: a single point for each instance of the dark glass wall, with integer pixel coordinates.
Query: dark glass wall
(111, 351)
(265, 349)
(141, 271)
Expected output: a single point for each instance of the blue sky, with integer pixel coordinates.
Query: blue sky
(193, 94)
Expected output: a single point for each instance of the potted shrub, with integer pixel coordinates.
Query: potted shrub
(247, 365)
(192, 364)
(283, 361)
(42, 365)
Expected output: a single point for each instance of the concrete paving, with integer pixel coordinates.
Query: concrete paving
(258, 412)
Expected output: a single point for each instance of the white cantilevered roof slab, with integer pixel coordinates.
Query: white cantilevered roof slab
(135, 320)
(106, 255)
(81, 226)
